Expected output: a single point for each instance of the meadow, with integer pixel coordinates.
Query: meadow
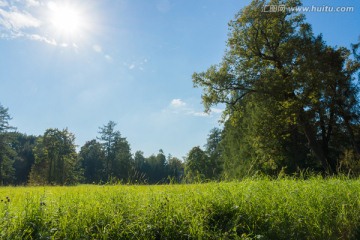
(251, 209)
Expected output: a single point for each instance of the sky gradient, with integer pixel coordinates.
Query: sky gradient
(129, 61)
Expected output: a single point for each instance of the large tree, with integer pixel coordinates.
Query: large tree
(282, 84)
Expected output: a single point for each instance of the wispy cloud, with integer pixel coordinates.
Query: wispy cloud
(3, 4)
(44, 39)
(108, 57)
(132, 66)
(32, 3)
(137, 64)
(28, 19)
(15, 20)
(179, 106)
(217, 110)
(97, 48)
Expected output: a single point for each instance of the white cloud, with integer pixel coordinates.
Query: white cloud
(177, 103)
(217, 110)
(32, 3)
(136, 64)
(178, 106)
(42, 39)
(27, 19)
(52, 5)
(200, 114)
(16, 20)
(3, 4)
(97, 48)
(15, 23)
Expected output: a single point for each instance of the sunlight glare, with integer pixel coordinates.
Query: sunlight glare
(66, 19)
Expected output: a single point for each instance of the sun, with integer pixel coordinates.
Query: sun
(67, 20)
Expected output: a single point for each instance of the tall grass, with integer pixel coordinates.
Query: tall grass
(250, 209)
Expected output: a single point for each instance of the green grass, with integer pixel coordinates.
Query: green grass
(251, 209)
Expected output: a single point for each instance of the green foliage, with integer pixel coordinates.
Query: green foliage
(197, 166)
(6, 152)
(205, 165)
(214, 152)
(175, 169)
(251, 209)
(55, 159)
(92, 160)
(118, 158)
(24, 158)
(260, 140)
(350, 163)
(157, 169)
(291, 102)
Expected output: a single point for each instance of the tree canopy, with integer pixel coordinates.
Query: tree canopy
(291, 100)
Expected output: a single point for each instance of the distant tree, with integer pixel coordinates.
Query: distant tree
(155, 168)
(197, 167)
(139, 160)
(123, 162)
(118, 158)
(108, 138)
(213, 150)
(92, 159)
(175, 169)
(7, 154)
(23, 146)
(139, 168)
(56, 160)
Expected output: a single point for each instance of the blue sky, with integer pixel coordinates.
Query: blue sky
(79, 64)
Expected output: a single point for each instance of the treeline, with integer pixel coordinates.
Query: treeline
(51, 159)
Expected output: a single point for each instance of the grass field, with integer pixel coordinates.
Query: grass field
(250, 209)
